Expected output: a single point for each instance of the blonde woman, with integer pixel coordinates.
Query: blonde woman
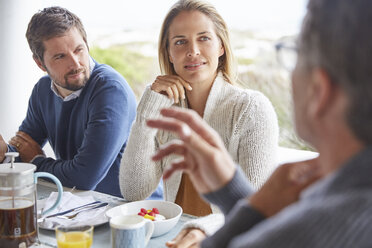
(197, 64)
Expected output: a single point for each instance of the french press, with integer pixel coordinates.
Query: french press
(18, 210)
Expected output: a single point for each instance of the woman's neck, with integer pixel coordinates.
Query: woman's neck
(198, 96)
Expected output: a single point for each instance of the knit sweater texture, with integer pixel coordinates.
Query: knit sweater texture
(334, 212)
(245, 120)
(88, 134)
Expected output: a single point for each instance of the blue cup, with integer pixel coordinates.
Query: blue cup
(130, 231)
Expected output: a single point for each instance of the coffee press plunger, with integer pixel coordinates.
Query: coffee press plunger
(18, 211)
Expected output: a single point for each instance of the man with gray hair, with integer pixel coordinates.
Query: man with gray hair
(325, 202)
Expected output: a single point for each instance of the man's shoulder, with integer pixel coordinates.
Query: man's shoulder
(44, 80)
(333, 206)
(106, 79)
(43, 85)
(320, 222)
(105, 73)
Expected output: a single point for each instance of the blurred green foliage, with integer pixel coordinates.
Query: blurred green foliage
(136, 68)
(244, 61)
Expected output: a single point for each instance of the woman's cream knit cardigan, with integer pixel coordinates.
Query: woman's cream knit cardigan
(245, 120)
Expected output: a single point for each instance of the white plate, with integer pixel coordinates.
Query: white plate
(100, 219)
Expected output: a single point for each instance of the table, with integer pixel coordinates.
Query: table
(102, 233)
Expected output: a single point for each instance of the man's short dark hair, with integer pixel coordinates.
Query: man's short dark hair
(48, 23)
(336, 36)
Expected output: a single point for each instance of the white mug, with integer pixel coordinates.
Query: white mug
(130, 231)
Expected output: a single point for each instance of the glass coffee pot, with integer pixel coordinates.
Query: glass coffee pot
(18, 211)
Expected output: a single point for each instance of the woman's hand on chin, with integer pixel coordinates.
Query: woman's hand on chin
(172, 86)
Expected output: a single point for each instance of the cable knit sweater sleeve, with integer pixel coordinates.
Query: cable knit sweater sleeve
(142, 144)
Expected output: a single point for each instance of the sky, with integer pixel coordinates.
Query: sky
(256, 15)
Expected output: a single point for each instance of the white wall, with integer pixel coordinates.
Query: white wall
(18, 72)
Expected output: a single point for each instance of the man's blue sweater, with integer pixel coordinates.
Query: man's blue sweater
(88, 134)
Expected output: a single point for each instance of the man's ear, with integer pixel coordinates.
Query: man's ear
(321, 92)
(39, 63)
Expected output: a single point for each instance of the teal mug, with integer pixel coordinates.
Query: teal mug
(59, 188)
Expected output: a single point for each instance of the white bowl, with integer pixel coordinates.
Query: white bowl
(169, 210)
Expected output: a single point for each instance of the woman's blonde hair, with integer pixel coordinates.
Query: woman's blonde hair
(226, 61)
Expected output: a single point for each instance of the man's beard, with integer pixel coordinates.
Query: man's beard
(75, 85)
